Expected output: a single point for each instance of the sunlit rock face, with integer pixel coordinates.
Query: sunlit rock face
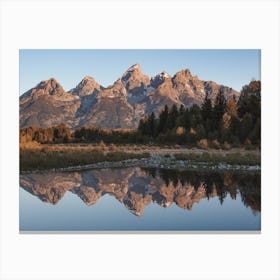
(120, 105)
(134, 80)
(87, 86)
(47, 104)
(137, 188)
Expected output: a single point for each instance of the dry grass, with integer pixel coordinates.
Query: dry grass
(226, 146)
(229, 158)
(35, 156)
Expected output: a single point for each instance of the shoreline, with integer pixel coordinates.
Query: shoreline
(155, 161)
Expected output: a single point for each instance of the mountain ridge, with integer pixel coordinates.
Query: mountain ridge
(120, 105)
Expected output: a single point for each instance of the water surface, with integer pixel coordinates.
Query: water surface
(140, 199)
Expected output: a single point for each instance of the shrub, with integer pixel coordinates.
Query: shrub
(226, 146)
(180, 130)
(216, 144)
(192, 131)
(102, 146)
(30, 145)
(247, 142)
(203, 144)
(113, 147)
(235, 141)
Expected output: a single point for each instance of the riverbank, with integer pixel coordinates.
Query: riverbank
(42, 158)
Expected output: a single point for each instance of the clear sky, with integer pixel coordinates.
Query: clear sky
(233, 68)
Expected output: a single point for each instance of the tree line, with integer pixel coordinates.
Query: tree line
(233, 121)
(62, 134)
(221, 183)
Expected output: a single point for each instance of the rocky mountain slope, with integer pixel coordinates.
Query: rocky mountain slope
(47, 105)
(120, 105)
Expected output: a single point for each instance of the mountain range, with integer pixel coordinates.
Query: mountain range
(120, 105)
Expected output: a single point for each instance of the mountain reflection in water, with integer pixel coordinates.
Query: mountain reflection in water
(136, 187)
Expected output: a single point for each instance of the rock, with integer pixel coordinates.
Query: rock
(86, 87)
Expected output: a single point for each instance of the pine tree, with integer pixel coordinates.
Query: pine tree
(181, 117)
(187, 119)
(182, 110)
(195, 116)
(143, 127)
(206, 108)
(151, 125)
(172, 117)
(207, 114)
(245, 127)
(219, 110)
(163, 120)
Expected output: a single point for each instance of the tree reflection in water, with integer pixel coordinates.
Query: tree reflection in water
(137, 187)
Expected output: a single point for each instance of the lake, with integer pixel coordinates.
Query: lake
(138, 199)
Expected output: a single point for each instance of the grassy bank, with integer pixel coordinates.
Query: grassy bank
(39, 157)
(229, 158)
(34, 156)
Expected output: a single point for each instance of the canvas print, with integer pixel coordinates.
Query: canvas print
(140, 140)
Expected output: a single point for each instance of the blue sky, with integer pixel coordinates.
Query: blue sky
(233, 68)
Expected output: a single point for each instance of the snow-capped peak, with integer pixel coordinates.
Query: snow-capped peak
(159, 79)
(165, 74)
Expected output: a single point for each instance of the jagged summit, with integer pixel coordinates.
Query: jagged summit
(47, 104)
(184, 73)
(159, 79)
(164, 74)
(187, 72)
(132, 71)
(87, 86)
(50, 86)
(113, 91)
(134, 67)
(45, 87)
(88, 78)
(134, 80)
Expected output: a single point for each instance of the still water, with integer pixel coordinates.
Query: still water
(141, 200)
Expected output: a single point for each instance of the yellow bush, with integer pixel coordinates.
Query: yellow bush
(203, 144)
(180, 130)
